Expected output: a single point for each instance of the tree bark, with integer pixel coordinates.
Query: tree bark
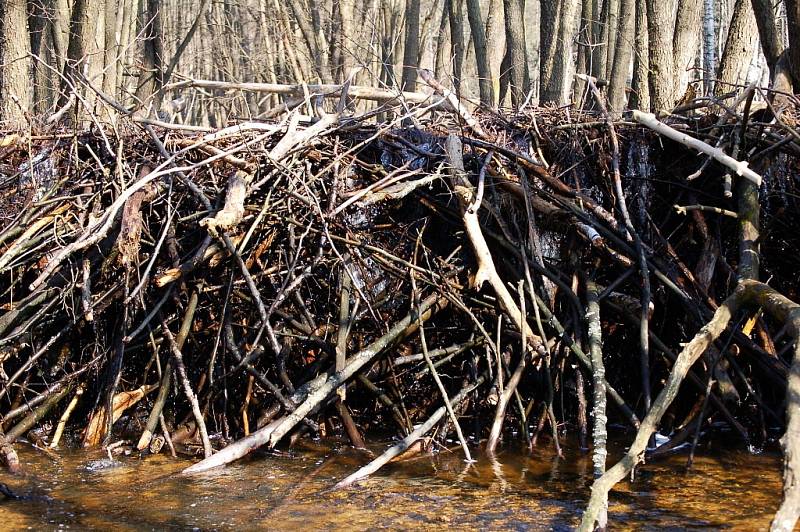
(740, 47)
(793, 20)
(662, 72)
(411, 48)
(15, 80)
(547, 41)
(771, 43)
(640, 96)
(456, 15)
(515, 48)
(496, 42)
(686, 40)
(560, 81)
(709, 47)
(481, 57)
(151, 78)
(618, 81)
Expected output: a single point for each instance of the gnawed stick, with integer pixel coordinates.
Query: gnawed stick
(62, 422)
(238, 184)
(272, 433)
(406, 442)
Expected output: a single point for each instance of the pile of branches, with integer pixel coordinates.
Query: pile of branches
(433, 276)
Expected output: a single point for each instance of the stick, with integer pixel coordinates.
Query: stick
(272, 433)
(599, 433)
(406, 442)
(177, 357)
(740, 167)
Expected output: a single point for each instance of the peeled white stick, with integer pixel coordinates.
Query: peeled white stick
(740, 167)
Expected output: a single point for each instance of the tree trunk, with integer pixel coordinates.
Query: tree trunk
(83, 52)
(640, 96)
(515, 46)
(456, 14)
(611, 24)
(441, 41)
(771, 43)
(660, 27)
(151, 78)
(496, 42)
(15, 80)
(347, 9)
(587, 38)
(563, 67)
(533, 44)
(620, 68)
(709, 46)
(686, 40)
(481, 57)
(793, 20)
(411, 48)
(547, 40)
(740, 47)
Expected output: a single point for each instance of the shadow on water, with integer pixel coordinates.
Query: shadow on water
(291, 490)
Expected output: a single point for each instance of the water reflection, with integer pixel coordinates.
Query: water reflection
(287, 491)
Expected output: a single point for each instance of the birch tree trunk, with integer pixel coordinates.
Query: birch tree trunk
(709, 46)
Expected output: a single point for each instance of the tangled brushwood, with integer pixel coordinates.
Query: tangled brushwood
(435, 275)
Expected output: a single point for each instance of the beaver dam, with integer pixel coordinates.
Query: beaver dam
(432, 281)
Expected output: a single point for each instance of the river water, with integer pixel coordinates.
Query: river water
(291, 490)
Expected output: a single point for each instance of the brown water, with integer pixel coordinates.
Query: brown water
(290, 491)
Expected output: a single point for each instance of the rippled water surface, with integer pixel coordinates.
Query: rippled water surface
(290, 491)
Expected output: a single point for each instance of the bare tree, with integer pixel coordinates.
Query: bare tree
(151, 78)
(411, 48)
(481, 57)
(456, 14)
(515, 49)
(618, 81)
